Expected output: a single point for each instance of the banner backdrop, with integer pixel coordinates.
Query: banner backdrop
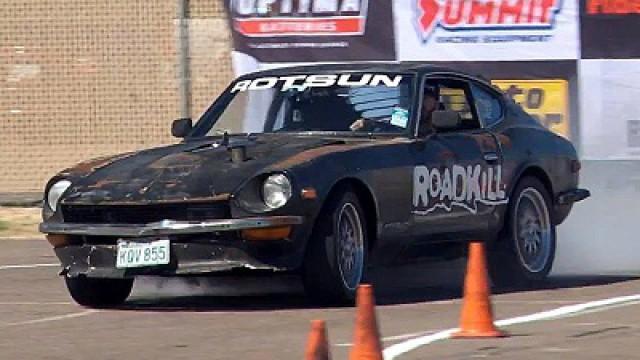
(282, 31)
(467, 30)
(610, 122)
(531, 49)
(610, 29)
(547, 100)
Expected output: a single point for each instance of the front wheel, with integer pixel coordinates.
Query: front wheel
(335, 263)
(526, 249)
(99, 293)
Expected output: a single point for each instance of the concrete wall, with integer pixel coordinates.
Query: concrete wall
(87, 78)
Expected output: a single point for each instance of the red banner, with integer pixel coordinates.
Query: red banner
(299, 26)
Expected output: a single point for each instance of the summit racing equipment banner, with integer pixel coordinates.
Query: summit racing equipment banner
(610, 28)
(281, 31)
(468, 30)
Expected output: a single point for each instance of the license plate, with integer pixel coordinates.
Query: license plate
(136, 254)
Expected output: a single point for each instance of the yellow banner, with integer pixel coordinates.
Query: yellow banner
(546, 100)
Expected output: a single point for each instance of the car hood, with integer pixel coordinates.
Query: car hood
(195, 170)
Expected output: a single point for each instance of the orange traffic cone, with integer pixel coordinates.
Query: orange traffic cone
(366, 339)
(477, 316)
(318, 344)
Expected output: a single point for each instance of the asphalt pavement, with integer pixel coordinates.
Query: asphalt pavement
(268, 318)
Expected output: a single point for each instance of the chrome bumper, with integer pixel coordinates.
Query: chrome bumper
(168, 227)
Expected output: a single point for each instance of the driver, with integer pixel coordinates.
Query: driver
(430, 103)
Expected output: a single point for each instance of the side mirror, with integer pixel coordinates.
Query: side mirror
(446, 120)
(181, 128)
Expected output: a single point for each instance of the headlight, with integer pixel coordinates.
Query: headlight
(276, 191)
(55, 192)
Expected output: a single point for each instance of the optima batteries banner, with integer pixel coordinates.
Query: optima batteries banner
(281, 31)
(469, 30)
(610, 29)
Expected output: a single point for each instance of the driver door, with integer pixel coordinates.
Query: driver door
(457, 172)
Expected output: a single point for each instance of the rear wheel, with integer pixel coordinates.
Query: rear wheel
(525, 252)
(335, 263)
(99, 293)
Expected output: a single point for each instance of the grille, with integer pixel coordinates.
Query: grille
(142, 214)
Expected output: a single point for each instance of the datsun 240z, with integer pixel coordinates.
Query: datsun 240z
(321, 171)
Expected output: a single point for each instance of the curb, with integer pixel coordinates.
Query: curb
(25, 199)
(16, 238)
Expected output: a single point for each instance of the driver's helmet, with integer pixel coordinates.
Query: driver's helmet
(432, 90)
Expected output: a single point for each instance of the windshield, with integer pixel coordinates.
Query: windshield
(357, 102)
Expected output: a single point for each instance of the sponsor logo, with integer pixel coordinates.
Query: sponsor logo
(485, 15)
(613, 7)
(458, 186)
(268, 18)
(302, 82)
(546, 100)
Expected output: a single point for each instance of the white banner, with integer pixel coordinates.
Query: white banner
(476, 30)
(610, 109)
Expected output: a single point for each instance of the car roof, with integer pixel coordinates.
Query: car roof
(416, 67)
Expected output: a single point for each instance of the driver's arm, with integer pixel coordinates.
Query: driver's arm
(357, 125)
(369, 124)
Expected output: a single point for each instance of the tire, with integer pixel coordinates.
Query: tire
(525, 250)
(99, 293)
(336, 257)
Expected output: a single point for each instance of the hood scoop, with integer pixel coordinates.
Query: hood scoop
(238, 153)
(236, 146)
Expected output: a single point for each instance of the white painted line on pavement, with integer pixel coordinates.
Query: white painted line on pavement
(407, 336)
(396, 350)
(534, 302)
(393, 338)
(50, 319)
(27, 266)
(30, 303)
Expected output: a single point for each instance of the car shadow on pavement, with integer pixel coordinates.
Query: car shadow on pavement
(408, 285)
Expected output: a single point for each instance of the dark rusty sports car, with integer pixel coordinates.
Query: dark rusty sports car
(321, 171)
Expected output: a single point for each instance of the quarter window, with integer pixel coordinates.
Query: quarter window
(488, 106)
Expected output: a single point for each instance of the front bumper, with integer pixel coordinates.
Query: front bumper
(99, 261)
(216, 246)
(168, 227)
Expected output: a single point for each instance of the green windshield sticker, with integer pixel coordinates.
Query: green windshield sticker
(399, 117)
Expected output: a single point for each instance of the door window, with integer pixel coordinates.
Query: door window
(455, 99)
(454, 95)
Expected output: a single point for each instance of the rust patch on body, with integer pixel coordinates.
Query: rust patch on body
(87, 167)
(178, 161)
(505, 141)
(102, 183)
